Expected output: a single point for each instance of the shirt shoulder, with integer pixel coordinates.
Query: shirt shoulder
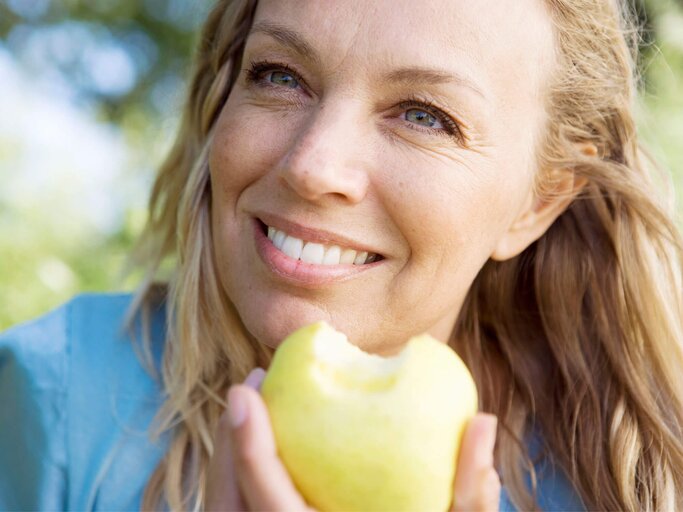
(89, 397)
(112, 401)
(554, 490)
(33, 381)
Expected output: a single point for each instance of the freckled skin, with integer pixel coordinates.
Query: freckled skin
(337, 153)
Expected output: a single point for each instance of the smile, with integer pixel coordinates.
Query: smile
(327, 259)
(317, 253)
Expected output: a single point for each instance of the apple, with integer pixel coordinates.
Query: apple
(360, 432)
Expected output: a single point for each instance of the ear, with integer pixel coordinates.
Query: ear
(537, 214)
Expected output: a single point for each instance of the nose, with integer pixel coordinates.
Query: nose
(325, 160)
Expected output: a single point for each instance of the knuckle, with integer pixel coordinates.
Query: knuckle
(490, 494)
(222, 440)
(484, 495)
(247, 457)
(223, 427)
(492, 484)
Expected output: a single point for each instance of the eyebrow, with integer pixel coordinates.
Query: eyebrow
(419, 76)
(407, 76)
(287, 37)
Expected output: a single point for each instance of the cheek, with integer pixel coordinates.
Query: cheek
(452, 214)
(244, 148)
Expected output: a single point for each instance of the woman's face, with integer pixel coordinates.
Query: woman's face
(405, 130)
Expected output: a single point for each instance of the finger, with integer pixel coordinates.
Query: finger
(477, 485)
(222, 488)
(255, 378)
(263, 479)
(484, 496)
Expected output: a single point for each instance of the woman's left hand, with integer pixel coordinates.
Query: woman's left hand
(477, 484)
(245, 472)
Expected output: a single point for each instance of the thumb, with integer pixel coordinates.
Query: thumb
(477, 485)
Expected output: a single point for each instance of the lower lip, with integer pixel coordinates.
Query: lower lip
(299, 272)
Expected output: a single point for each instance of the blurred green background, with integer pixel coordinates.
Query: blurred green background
(90, 93)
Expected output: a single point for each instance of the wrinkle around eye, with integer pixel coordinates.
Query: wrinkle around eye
(274, 97)
(435, 148)
(460, 159)
(406, 137)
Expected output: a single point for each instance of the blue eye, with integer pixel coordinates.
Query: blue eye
(283, 79)
(421, 117)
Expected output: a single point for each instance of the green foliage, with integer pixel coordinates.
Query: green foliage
(661, 121)
(49, 249)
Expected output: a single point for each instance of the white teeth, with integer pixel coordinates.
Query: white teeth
(279, 239)
(360, 258)
(313, 253)
(332, 256)
(347, 257)
(292, 247)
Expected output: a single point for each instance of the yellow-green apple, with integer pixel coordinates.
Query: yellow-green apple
(360, 432)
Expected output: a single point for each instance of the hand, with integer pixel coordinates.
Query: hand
(477, 485)
(245, 472)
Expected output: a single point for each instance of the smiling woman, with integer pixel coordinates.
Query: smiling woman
(349, 151)
(470, 170)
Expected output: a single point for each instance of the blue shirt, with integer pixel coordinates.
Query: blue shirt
(76, 404)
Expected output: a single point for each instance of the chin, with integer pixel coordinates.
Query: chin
(271, 324)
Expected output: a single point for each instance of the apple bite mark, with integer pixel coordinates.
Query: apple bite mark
(359, 432)
(342, 365)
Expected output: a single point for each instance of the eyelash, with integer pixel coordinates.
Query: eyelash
(256, 71)
(451, 127)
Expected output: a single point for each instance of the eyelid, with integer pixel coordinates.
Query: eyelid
(257, 68)
(449, 121)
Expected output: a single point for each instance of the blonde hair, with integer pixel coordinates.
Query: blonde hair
(579, 336)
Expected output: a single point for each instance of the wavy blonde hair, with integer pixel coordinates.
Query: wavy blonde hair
(582, 330)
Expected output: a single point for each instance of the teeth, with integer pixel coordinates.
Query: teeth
(292, 247)
(348, 256)
(360, 258)
(313, 253)
(317, 254)
(332, 255)
(279, 239)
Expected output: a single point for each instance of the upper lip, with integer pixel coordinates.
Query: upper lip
(308, 234)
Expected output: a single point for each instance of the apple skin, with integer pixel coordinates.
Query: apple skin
(358, 432)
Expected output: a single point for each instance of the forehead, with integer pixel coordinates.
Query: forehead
(494, 41)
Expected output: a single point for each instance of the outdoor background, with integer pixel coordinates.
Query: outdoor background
(90, 92)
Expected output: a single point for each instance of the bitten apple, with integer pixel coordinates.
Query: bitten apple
(360, 432)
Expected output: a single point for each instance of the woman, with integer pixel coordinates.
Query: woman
(469, 169)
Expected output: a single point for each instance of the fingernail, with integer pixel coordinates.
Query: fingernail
(237, 407)
(254, 378)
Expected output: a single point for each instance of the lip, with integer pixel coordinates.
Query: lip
(312, 235)
(300, 273)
